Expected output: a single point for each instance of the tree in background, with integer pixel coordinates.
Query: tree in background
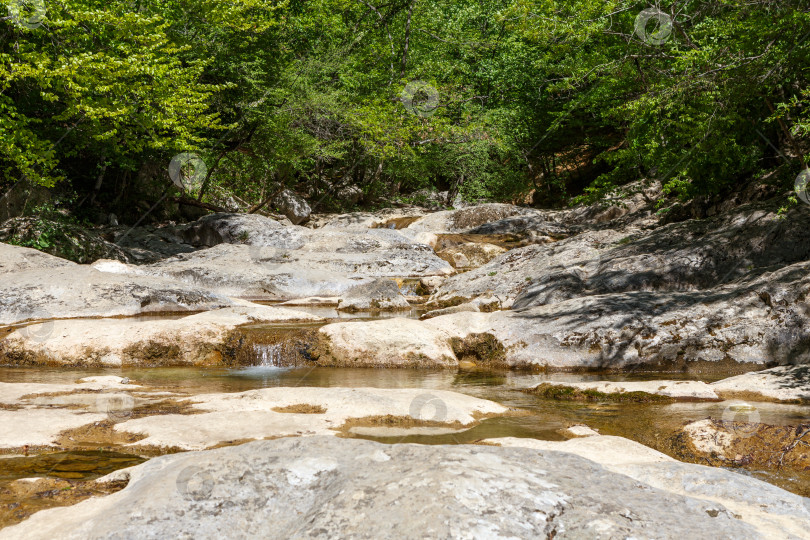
(564, 100)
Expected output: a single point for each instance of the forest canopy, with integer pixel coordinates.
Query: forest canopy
(541, 101)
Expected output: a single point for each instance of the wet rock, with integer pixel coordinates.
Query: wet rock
(293, 206)
(741, 439)
(630, 390)
(201, 339)
(325, 487)
(381, 294)
(467, 306)
(25, 423)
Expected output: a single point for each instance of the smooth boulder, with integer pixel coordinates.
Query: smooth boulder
(335, 488)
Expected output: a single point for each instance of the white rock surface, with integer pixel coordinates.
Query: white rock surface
(249, 415)
(194, 339)
(337, 488)
(774, 513)
(784, 383)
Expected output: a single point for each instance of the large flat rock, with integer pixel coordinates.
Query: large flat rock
(334, 488)
(784, 383)
(200, 339)
(255, 414)
(298, 262)
(17, 259)
(82, 291)
(772, 511)
(748, 325)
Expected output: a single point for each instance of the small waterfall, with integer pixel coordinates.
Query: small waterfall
(268, 355)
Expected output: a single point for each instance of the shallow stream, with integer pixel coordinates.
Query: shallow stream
(652, 424)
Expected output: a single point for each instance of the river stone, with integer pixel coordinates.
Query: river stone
(360, 489)
(81, 291)
(468, 218)
(200, 339)
(293, 206)
(219, 228)
(470, 254)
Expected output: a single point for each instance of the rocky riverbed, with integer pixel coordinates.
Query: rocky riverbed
(702, 322)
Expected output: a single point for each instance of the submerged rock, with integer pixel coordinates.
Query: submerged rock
(642, 391)
(348, 488)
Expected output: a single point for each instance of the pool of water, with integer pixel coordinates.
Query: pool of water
(652, 424)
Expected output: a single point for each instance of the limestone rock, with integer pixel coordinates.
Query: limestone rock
(82, 291)
(361, 489)
(382, 294)
(201, 339)
(18, 259)
(470, 255)
(784, 383)
(292, 206)
(273, 412)
(773, 512)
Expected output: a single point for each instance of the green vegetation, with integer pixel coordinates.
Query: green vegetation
(545, 100)
(569, 393)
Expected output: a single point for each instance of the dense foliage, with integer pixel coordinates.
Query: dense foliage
(559, 98)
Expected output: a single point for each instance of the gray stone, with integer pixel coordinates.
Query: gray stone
(18, 259)
(381, 294)
(292, 206)
(327, 487)
(82, 291)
